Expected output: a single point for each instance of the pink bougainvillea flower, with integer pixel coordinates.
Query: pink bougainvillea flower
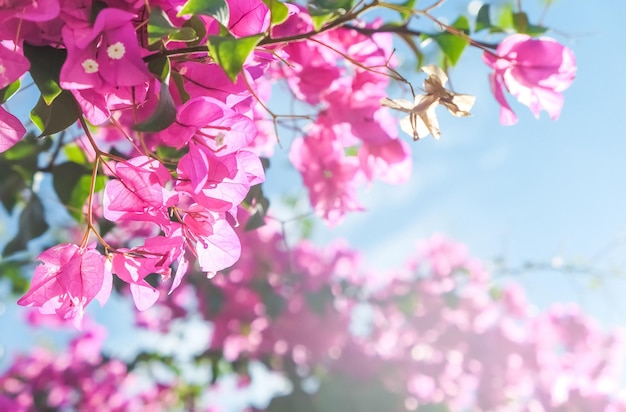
(535, 71)
(107, 53)
(12, 66)
(211, 80)
(219, 183)
(11, 130)
(211, 238)
(139, 193)
(219, 250)
(29, 10)
(214, 123)
(328, 173)
(69, 278)
(155, 256)
(389, 161)
(248, 17)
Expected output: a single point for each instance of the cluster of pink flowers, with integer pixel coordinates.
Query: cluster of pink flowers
(437, 331)
(188, 205)
(353, 140)
(440, 332)
(186, 201)
(80, 380)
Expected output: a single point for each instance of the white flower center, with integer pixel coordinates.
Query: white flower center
(116, 51)
(219, 139)
(90, 66)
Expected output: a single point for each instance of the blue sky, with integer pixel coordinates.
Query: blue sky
(530, 192)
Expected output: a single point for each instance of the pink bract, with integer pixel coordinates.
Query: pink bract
(67, 280)
(535, 71)
(107, 53)
(30, 10)
(328, 173)
(139, 193)
(11, 130)
(248, 17)
(155, 256)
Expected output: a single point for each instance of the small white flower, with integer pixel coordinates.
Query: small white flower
(219, 139)
(422, 120)
(90, 66)
(116, 51)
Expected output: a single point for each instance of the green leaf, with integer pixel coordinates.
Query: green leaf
(505, 20)
(231, 53)
(320, 16)
(453, 45)
(164, 114)
(409, 5)
(160, 67)
(32, 224)
(72, 183)
(217, 9)
(80, 193)
(258, 206)
(12, 270)
(170, 154)
(483, 21)
(186, 34)
(179, 82)
(27, 149)
(351, 151)
(325, 11)
(278, 11)
(320, 19)
(159, 25)
(11, 186)
(10, 90)
(58, 116)
(198, 27)
(75, 154)
(332, 5)
(496, 293)
(533, 30)
(462, 23)
(45, 69)
(306, 228)
(520, 22)
(17, 168)
(65, 177)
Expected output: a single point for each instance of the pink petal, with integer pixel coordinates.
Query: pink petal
(11, 130)
(12, 66)
(507, 116)
(220, 250)
(144, 295)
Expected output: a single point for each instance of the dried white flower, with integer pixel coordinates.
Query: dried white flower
(422, 120)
